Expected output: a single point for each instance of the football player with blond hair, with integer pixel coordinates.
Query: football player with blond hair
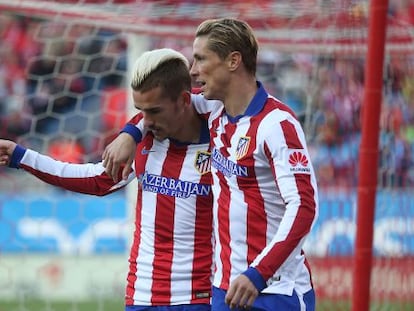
(170, 262)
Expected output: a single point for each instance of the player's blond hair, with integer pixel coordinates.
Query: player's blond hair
(149, 61)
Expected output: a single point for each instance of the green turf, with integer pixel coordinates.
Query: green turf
(42, 305)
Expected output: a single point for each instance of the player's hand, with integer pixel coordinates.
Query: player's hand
(241, 293)
(120, 151)
(6, 150)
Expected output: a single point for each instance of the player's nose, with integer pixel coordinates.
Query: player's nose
(193, 69)
(148, 121)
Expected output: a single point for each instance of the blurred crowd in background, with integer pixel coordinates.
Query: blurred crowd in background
(59, 83)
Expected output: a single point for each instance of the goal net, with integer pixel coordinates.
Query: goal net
(64, 91)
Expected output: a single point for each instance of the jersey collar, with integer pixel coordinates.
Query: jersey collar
(255, 106)
(204, 135)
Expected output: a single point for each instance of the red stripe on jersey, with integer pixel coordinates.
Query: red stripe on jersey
(202, 253)
(213, 131)
(307, 206)
(300, 227)
(291, 136)
(132, 274)
(135, 119)
(164, 230)
(279, 105)
(223, 212)
(96, 185)
(256, 215)
(196, 90)
(140, 162)
(280, 251)
(304, 217)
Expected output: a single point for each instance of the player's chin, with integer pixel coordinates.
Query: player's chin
(159, 136)
(207, 94)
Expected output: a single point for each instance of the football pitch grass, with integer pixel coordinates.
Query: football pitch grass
(118, 305)
(42, 305)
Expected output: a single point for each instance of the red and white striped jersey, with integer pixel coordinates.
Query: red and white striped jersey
(265, 193)
(171, 258)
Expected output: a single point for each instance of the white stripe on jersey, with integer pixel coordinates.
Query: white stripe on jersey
(57, 168)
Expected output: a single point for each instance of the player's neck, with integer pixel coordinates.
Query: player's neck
(239, 96)
(190, 131)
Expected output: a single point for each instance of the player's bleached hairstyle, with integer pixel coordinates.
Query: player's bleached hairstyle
(151, 60)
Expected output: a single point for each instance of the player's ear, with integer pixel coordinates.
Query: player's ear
(234, 60)
(186, 97)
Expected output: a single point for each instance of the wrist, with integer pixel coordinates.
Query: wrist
(256, 278)
(133, 131)
(17, 156)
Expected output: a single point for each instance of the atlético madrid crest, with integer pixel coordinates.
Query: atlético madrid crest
(242, 147)
(203, 162)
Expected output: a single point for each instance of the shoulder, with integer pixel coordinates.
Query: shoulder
(278, 107)
(205, 106)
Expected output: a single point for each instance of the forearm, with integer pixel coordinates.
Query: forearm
(86, 178)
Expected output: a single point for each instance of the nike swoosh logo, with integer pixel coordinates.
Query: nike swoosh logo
(146, 151)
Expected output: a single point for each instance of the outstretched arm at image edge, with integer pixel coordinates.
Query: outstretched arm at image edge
(88, 178)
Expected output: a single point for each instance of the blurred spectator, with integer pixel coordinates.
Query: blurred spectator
(56, 77)
(114, 114)
(66, 150)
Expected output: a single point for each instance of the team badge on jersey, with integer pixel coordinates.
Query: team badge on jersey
(298, 161)
(242, 147)
(203, 162)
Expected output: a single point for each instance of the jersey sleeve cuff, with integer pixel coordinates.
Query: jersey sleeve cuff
(133, 131)
(256, 278)
(17, 156)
